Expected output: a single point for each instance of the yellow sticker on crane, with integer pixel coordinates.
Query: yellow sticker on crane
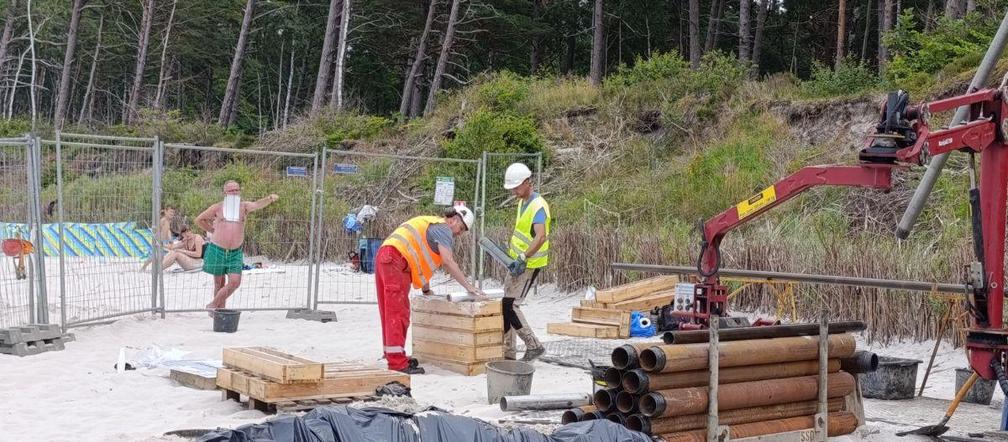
(757, 202)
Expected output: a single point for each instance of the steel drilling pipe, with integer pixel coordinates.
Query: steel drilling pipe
(838, 424)
(593, 415)
(673, 358)
(625, 357)
(642, 423)
(627, 402)
(605, 399)
(860, 362)
(767, 332)
(576, 414)
(617, 417)
(638, 381)
(544, 401)
(693, 400)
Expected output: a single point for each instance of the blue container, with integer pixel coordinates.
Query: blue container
(368, 249)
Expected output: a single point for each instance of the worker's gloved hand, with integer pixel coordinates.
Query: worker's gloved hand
(518, 266)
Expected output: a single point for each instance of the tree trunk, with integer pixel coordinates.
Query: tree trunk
(841, 35)
(416, 103)
(761, 16)
(8, 32)
(867, 30)
(418, 59)
(568, 61)
(744, 36)
(208, 93)
(953, 9)
(887, 16)
(929, 16)
(336, 101)
(164, 52)
(14, 84)
(290, 82)
(141, 61)
(62, 99)
(326, 60)
(712, 23)
(535, 55)
(694, 33)
(598, 43)
(442, 63)
(228, 113)
(970, 6)
(87, 104)
(31, 46)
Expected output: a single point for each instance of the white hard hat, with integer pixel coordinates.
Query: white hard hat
(516, 174)
(466, 215)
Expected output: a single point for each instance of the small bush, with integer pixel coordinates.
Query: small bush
(847, 79)
(659, 66)
(14, 128)
(502, 92)
(952, 46)
(493, 131)
(343, 127)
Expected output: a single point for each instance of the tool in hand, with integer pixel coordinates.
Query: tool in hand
(514, 266)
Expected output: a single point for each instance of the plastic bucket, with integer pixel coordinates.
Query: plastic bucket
(894, 378)
(982, 391)
(508, 378)
(225, 321)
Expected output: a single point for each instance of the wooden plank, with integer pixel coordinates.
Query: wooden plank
(599, 316)
(344, 384)
(582, 330)
(273, 364)
(465, 369)
(646, 303)
(637, 289)
(430, 304)
(472, 325)
(448, 336)
(193, 380)
(457, 353)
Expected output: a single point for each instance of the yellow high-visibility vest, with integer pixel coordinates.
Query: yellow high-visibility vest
(410, 239)
(521, 238)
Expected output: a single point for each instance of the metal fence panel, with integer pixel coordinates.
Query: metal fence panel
(398, 187)
(97, 228)
(279, 240)
(17, 284)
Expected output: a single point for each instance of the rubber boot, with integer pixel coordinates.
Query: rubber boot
(510, 351)
(533, 349)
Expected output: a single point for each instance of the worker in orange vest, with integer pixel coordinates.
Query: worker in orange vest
(407, 257)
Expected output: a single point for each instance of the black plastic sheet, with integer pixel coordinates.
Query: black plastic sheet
(345, 424)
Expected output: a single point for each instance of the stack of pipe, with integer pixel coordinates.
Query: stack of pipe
(766, 385)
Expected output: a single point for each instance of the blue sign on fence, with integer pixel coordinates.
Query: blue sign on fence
(343, 168)
(297, 171)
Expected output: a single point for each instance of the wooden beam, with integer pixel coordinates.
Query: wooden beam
(449, 336)
(443, 306)
(463, 368)
(274, 365)
(336, 384)
(636, 289)
(583, 330)
(457, 353)
(470, 324)
(598, 316)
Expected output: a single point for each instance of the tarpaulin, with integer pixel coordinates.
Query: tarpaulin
(346, 424)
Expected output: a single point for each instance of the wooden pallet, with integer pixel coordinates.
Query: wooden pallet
(273, 365)
(599, 316)
(583, 330)
(338, 382)
(292, 405)
(646, 303)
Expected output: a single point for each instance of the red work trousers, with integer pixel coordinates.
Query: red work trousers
(392, 276)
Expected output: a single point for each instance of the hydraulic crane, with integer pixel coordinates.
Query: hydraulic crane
(901, 140)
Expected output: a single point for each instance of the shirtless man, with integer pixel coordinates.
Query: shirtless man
(226, 222)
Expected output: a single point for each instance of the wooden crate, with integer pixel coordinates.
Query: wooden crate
(636, 289)
(599, 316)
(457, 336)
(273, 365)
(583, 330)
(338, 382)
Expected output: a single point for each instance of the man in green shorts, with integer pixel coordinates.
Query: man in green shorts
(225, 221)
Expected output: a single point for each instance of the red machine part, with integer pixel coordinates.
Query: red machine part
(983, 133)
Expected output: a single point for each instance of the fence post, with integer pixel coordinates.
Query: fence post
(312, 232)
(481, 204)
(320, 225)
(42, 305)
(476, 255)
(62, 234)
(157, 281)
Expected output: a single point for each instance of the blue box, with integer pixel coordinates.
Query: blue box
(367, 249)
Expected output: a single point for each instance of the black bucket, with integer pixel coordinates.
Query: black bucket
(894, 379)
(982, 391)
(225, 321)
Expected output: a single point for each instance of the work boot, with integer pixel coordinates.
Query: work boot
(413, 362)
(533, 349)
(510, 352)
(412, 370)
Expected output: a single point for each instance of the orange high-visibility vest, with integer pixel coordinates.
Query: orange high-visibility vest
(410, 239)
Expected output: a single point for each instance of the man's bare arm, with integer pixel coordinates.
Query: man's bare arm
(448, 262)
(261, 203)
(204, 219)
(540, 238)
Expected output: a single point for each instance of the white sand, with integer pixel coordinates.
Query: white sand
(76, 394)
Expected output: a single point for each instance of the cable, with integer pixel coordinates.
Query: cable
(999, 372)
